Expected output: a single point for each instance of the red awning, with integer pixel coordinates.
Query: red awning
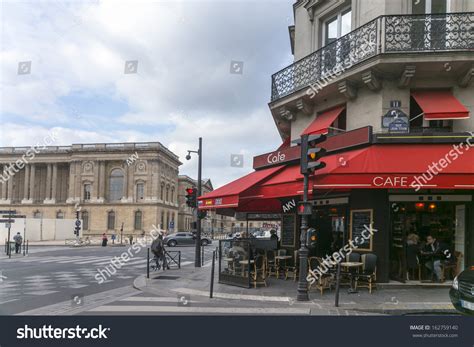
(440, 105)
(323, 121)
(228, 196)
(433, 166)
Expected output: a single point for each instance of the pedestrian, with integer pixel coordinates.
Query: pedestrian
(18, 241)
(113, 238)
(130, 237)
(104, 240)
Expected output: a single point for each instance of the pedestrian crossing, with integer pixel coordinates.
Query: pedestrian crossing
(135, 262)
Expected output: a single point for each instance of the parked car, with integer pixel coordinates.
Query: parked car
(184, 238)
(462, 291)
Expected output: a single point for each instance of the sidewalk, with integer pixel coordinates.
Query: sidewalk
(387, 299)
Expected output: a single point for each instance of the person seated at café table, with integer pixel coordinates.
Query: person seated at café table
(434, 252)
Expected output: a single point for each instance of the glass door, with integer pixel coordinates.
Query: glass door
(429, 32)
(398, 268)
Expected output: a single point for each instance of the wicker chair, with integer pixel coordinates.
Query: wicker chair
(368, 274)
(258, 274)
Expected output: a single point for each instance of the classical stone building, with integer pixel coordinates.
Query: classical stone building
(213, 223)
(133, 184)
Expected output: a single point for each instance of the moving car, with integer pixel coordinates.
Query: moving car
(184, 238)
(462, 291)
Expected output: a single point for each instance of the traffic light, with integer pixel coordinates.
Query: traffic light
(191, 197)
(310, 154)
(311, 238)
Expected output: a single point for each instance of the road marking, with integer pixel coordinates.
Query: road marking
(151, 299)
(233, 296)
(200, 310)
(42, 292)
(4, 302)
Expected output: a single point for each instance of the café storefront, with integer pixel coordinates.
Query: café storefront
(388, 182)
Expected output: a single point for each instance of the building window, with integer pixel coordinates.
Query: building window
(37, 215)
(111, 220)
(167, 220)
(138, 220)
(87, 192)
(172, 194)
(167, 193)
(337, 26)
(140, 191)
(85, 220)
(116, 185)
(162, 219)
(161, 192)
(59, 215)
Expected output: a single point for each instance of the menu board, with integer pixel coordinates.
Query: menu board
(288, 230)
(360, 224)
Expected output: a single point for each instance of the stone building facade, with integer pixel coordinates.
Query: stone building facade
(114, 184)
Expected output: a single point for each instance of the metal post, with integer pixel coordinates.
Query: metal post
(179, 260)
(303, 251)
(27, 243)
(338, 280)
(212, 273)
(9, 227)
(202, 255)
(197, 259)
(148, 263)
(24, 238)
(121, 233)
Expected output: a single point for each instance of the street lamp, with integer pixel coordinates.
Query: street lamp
(197, 254)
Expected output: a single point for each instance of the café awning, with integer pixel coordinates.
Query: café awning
(229, 195)
(440, 105)
(323, 121)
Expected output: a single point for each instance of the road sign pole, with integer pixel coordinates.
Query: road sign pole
(9, 228)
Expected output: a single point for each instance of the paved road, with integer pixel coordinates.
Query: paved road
(52, 275)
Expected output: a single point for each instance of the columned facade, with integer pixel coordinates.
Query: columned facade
(100, 178)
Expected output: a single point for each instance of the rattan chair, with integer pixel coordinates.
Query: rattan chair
(294, 268)
(368, 275)
(270, 264)
(258, 274)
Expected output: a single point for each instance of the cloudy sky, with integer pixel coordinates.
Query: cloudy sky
(183, 87)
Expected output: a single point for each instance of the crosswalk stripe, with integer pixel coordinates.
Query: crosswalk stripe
(150, 299)
(81, 259)
(90, 260)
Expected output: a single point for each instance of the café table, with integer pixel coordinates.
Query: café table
(244, 263)
(278, 260)
(352, 265)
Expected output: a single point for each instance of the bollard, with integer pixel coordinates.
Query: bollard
(148, 263)
(202, 255)
(27, 242)
(179, 260)
(338, 279)
(212, 274)
(6, 246)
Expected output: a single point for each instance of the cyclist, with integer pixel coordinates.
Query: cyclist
(158, 249)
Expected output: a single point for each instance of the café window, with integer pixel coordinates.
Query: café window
(337, 26)
(116, 181)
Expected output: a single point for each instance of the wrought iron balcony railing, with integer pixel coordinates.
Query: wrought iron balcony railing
(383, 35)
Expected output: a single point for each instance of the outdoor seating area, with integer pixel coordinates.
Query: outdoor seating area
(250, 264)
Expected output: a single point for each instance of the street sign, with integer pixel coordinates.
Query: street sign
(78, 223)
(7, 221)
(7, 211)
(14, 216)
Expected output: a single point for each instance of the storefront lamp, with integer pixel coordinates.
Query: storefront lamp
(419, 205)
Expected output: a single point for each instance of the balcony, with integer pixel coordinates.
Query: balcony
(431, 33)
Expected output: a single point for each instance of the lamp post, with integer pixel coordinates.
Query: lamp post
(197, 254)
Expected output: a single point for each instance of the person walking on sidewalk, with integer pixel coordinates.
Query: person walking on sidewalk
(18, 241)
(130, 237)
(104, 240)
